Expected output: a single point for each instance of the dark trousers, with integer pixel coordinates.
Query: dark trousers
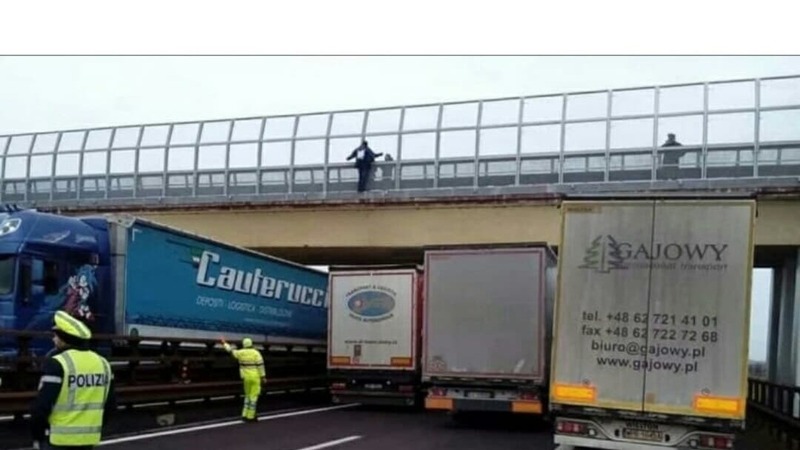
(363, 177)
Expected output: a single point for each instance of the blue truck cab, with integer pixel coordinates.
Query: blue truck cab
(123, 275)
(50, 263)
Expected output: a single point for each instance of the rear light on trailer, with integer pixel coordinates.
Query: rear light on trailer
(405, 388)
(568, 427)
(437, 392)
(706, 441)
(529, 396)
(338, 386)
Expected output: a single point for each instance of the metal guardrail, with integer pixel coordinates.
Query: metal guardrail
(779, 401)
(149, 369)
(24, 337)
(733, 164)
(18, 402)
(741, 129)
(153, 366)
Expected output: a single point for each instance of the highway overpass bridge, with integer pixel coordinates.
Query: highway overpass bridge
(480, 171)
(381, 231)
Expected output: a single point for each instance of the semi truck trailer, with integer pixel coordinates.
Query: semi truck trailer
(123, 275)
(651, 324)
(374, 334)
(487, 328)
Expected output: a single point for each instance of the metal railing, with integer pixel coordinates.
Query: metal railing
(742, 129)
(150, 368)
(780, 401)
(155, 361)
(19, 402)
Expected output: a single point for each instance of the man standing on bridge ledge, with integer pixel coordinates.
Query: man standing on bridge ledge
(75, 391)
(364, 158)
(672, 157)
(251, 369)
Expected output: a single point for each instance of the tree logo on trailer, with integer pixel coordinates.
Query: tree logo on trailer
(607, 253)
(371, 303)
(603, 255)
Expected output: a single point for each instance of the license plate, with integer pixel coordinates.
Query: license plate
(643, 435)
(479, 394)
(373, 386)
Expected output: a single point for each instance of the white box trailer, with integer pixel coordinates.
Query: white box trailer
(487, 327)
(651, 326)
(374, 334)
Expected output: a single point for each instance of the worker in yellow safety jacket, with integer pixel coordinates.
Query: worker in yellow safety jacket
(251, 369)
(75, 391)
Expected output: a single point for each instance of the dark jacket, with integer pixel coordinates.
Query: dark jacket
(369, 156)
(672, 156)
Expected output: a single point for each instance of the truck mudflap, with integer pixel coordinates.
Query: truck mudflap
(482, 399)
(614, 434)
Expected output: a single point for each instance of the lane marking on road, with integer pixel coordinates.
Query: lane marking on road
(10, 418)
(191, 400)
(228, 423)
(150, 405)
(332, 443)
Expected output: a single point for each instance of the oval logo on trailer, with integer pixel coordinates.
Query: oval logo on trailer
(371, 303)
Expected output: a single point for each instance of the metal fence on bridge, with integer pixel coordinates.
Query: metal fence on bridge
(781, 405)
(740, 129)
(781, 401)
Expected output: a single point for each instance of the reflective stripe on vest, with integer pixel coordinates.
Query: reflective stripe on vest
(75, 430)
(77, 416)
(80, 407)
(251, 364)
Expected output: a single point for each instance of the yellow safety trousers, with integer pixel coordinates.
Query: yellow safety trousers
(252, 389)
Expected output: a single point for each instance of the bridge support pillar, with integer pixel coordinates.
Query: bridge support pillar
(783, 357)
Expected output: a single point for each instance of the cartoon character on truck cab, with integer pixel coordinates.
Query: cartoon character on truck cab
(77, 291)
(73, 298)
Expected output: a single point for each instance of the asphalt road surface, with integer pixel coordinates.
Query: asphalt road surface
(358, 428)
(323, 426)
(355, 429)
(155, 417)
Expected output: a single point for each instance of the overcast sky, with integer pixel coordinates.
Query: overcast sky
(52, 93)
(56, 93)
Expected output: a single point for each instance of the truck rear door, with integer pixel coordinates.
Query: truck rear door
(485, 313)
(699, 309)
(653, 305)
(602, 304)
(373, 320)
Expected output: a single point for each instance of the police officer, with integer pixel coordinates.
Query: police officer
(251, 369)
(75, 390)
